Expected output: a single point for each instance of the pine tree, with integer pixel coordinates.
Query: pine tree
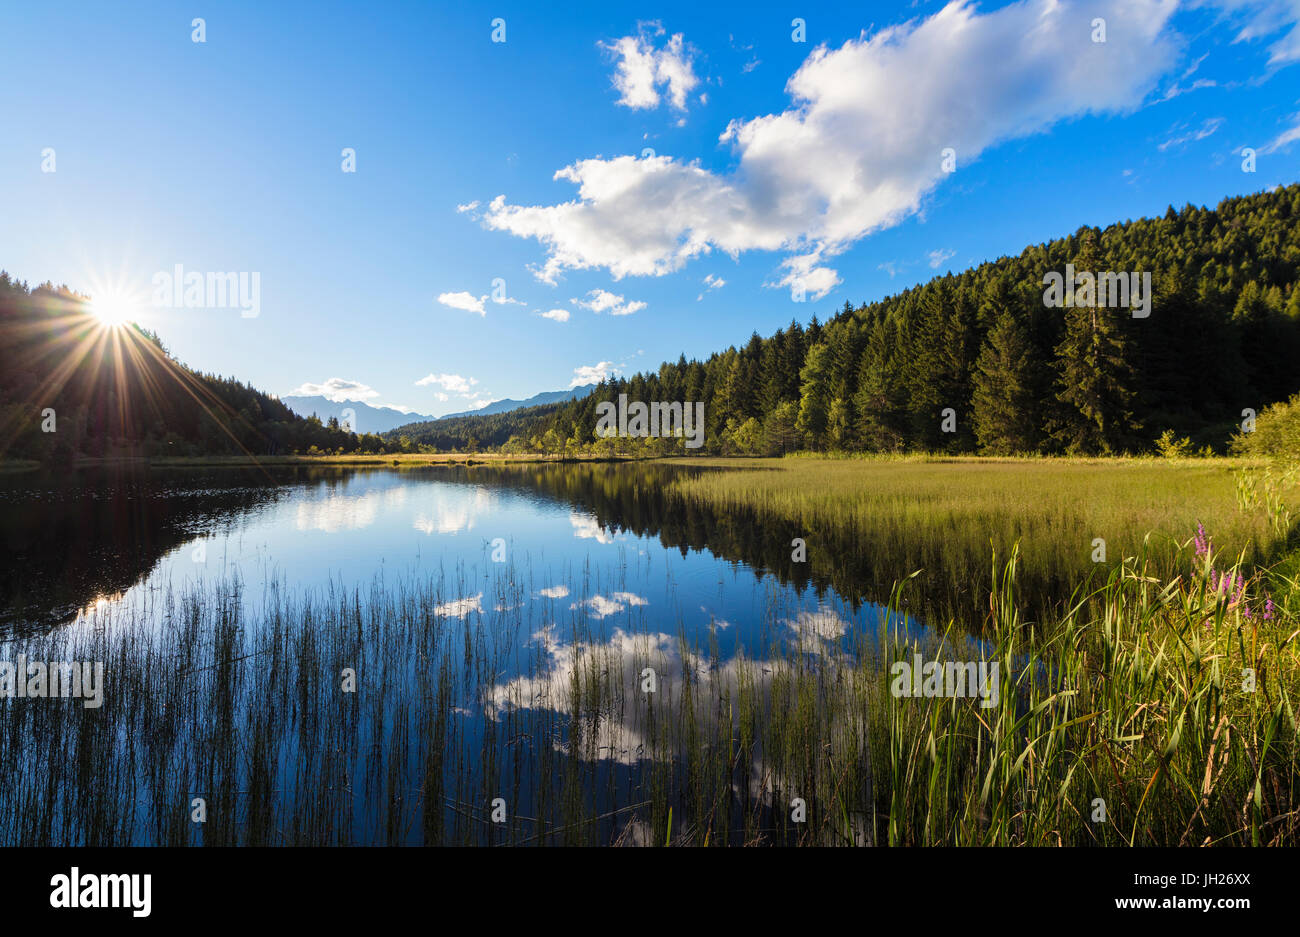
(838, 424)
(771, 375)
(779, 428)
(927, 368)
(1096, 373)
(878, 401)
(1005, 395)
(814, 399)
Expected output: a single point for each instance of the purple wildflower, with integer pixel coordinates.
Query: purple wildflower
(1268, 609)
(1202, 541)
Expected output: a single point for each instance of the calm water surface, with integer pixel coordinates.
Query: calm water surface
(87, 542)
(511, 578)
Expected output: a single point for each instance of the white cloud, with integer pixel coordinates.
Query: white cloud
(711, 282)
(559, 315)
(460, 607)
(449, 382)
(338, 390)
(1268, 18)
(1285, 138)
(592, 373)
(554, 592)
(1206, 129)
(452, 512)
(939, 257)
(586, 527)
(602, 607)
(720, 624)
(642, 70)
(813, 628)
(599, 301)
(465, 301)
(860, 145)
(335, 512)
(1175, 90)
(806, 278)
(468, 206)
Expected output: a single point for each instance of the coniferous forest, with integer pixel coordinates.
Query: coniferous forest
(72, 388)
(1222, 335)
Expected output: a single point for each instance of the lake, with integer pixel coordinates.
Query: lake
(428, 654)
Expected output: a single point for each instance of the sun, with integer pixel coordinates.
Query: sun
(113, 309)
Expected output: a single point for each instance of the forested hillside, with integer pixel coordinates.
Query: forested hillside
(72, 386)
(473, 432)
(1222, 335)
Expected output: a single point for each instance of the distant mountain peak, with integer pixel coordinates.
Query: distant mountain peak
(363, 417)
(371, 419)
(508, 404)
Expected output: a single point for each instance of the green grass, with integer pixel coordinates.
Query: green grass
(878, 520)
(1133, 697)
(1136, 700)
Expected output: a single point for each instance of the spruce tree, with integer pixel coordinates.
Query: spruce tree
(814, 397)
(878, 402)
(1004, 401)
(1096, 378)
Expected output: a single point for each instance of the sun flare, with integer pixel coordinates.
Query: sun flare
(113, 309)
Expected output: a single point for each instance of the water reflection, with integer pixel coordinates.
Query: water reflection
(256, 595)
(75, 536)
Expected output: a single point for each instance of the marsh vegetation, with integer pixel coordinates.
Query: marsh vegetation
(509, 702)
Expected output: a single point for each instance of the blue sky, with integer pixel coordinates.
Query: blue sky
(714, 169)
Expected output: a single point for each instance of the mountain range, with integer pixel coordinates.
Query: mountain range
(368, 419)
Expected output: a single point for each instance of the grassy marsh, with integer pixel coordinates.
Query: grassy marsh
(1141, 705)
(482, 716)
(879, 519)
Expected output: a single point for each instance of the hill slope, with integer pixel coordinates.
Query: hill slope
(537, 400)
(473, 432)
(73, 386)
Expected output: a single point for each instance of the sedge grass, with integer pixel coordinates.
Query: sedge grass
(522, 723)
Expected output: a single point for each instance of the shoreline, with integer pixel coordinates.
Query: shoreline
(239, 461)
(793, 459)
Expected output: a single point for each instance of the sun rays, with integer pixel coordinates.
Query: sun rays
(97, 363)
(111, 311)
(114, 302)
